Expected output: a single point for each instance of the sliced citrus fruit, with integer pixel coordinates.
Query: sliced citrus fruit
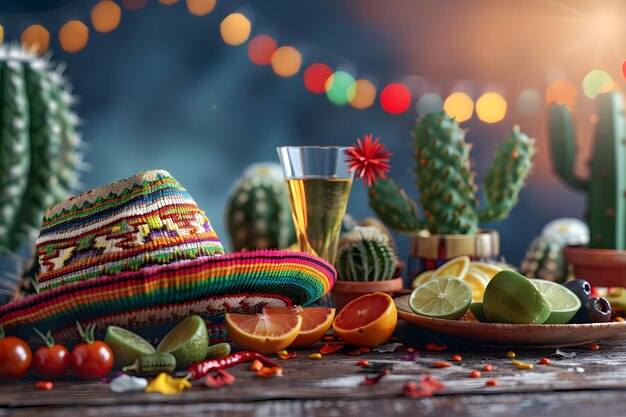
(126, 345)
(188, 342)
(422, 278)
(488, 268)
(478, 280)
(443, 298)
(367, 321)
(264, 332)
(315, 322)
(564, 304)
(456, 267)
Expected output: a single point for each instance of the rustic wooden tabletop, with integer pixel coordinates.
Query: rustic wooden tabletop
(589, 382)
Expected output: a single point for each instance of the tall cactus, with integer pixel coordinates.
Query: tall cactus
(606, 187)
(257, 213)
(446, 182)
(39, 145)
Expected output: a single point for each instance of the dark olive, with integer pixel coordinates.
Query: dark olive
(595, 310)
(580, 287)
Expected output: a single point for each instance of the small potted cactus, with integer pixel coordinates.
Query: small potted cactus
(449, 226)
(603, 261)
(366, 263)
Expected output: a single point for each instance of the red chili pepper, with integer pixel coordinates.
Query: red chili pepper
(200, 369)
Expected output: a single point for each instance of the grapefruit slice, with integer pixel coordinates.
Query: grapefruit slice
(315, 322)
(367, 321)
(265, 332)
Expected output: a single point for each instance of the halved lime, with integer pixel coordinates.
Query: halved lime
(188, 341)
(443, 298)
(477, 310)
(126, 345)
(564, 304)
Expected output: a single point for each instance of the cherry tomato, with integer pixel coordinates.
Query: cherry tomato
(91, 359)
(15, 356)
(51, 361)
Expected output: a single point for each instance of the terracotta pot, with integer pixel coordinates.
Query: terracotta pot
(431, 251)
(345, 291)
(601, 267)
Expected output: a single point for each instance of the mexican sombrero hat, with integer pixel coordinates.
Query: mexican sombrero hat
(139, 253)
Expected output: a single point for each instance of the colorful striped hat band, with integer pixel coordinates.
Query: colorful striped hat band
(139, 252)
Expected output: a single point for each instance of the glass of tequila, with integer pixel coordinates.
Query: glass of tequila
(318, 185)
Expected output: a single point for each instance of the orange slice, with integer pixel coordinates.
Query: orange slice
(488, 268)
(315, 322)
(456, 267)
(265, 332)
(422, 278)
(367, 321)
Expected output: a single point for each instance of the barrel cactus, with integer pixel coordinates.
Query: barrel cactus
(257, 213)
(365, 254)
(39, 157)
(448, 194)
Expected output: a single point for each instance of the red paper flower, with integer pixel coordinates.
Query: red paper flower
(369, 159)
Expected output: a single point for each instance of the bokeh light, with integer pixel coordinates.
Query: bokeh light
(338, 88)
(429, 103)
(286, 61)
(624, 70)
(261, 48)
(134, 4)
(491, 107)
(201, 7)
(36, 39)
(315, 77)
(73, 36)
(235, 29)
(395, 98)
(459, 106)
(528, 102)
(363, 94)
(1, 34)
(596, 82)
(561, 92)
(168, 2)
(106, 16)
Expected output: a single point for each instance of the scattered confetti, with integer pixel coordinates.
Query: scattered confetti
(522, 365)
(128, 383)
(44, 385)
(562, 354)
(410, 350)
(270, 372)
(442, 364)
(376, 379)
(389, 347)
(286, 355)
(411, 356)
(457, 358)
(256, 366)
(282, 352)
(109, 379)
(492, 383)
(219, 380)
(365, 350)
(593, 346)
(315, 356)
(488, 368)
(579, 369)
(426, 388)
(362, 363)
(544, 361)
(475, 374)
(510, 354)
(329, 338)
(620, 319)
(435, 346)
(330, 348)
(167, 385)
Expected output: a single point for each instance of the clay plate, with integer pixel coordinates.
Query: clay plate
(512, 335)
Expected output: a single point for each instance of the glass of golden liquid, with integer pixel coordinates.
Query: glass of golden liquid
(318, 185)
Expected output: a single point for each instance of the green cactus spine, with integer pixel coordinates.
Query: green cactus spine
(39, 149)
(606, 187)
(446, 182)
(365, 254)
(257, 212)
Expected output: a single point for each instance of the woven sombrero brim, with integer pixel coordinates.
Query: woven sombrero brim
(210, 286)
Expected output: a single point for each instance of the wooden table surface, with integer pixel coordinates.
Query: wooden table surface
(592, 383)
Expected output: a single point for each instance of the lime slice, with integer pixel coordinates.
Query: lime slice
(444, 298)
(188, 341)
(456, 267)
(126, 345)
(564, 304)
(422, 278)
(478, 280)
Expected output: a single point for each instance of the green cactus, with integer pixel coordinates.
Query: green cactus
(544, 260)
(446, 182)
(39, 150)
(606, 186)
(365, 254)
(257, 213)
